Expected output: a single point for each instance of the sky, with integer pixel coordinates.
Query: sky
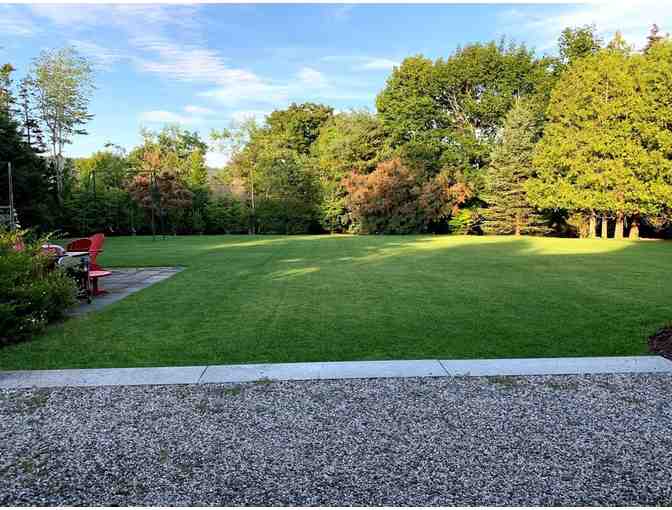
(206, 66)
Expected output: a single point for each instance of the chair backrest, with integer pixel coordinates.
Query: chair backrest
(79, 245)
(97, 241)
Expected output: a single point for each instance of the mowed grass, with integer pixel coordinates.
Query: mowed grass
(317, 298)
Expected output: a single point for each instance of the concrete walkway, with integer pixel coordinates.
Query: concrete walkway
(333, 370)
(121, 283)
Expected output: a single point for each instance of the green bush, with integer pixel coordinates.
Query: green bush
(226, 216)
(466, 221)
(31, 293)
(285, 216)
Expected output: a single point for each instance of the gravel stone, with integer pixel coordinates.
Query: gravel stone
(545, 440)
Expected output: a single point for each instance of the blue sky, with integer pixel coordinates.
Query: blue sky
(206, 66)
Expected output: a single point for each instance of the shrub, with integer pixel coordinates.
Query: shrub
(396, 200)
(197, 223)
(466, 221)
(111, 211)
(31, 293)
(285, 216)
(226, 216)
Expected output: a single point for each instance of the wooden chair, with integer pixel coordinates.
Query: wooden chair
(94, 245)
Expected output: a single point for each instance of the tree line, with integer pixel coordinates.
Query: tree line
(491, 139)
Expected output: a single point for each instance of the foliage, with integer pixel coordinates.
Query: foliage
(578, 42)
(87, 211)
(34, 195)
(287, 215)
(274, 163)
(654, 37)
(172, 149)
(348, 141)
(447, 113)
(6, 96)
(106, 169)
(163, 195)
(466, 221)
(225, 215)
(509, 211)
(62, 82)
(458, 151)
(27, 112)
(298, 126)
(593, 156)
(394, 200)
(31, 294)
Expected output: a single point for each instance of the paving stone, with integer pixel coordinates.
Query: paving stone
(100, 377)
(121, 283)
(559, 366)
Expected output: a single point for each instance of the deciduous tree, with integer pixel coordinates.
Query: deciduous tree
(63, 84)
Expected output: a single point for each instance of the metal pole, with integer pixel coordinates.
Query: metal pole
(163, 229)
(151, 194)
(12, 225)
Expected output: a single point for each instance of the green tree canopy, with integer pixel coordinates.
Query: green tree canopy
(62, 81)
(578, 42)
(109, 169)
(447, 113)
(179, 151)
(606, 147)
(298, 126)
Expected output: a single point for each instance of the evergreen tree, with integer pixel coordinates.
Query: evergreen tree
(509, 211)
(29, 115)
(33, 197)
(653, 38)
(606, 145)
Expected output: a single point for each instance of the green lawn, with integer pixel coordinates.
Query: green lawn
(313, 298)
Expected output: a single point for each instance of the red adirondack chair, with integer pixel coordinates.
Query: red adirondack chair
(94, 245)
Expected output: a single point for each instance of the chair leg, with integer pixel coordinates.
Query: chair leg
(95, 290)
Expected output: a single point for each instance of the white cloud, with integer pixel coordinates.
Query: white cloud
(378, 64)
(166, 117)
(134, 18)
(235, 93)
(103, 58)
(312, 77)
(360, 63)
(198, 110)
(187, 62)
(633, 19)
(13, 23)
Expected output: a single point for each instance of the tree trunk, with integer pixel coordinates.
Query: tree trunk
(517, 227)
(634, 227)
(592, 225)
(618, 233)
(605, 225)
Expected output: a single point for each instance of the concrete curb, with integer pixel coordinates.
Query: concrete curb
(333, 370)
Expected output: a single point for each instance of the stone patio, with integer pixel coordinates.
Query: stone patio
(123, 282)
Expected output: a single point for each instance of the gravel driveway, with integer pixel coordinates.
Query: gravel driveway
(471, 441)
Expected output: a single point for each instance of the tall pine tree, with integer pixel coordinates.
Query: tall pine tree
(509, 211)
